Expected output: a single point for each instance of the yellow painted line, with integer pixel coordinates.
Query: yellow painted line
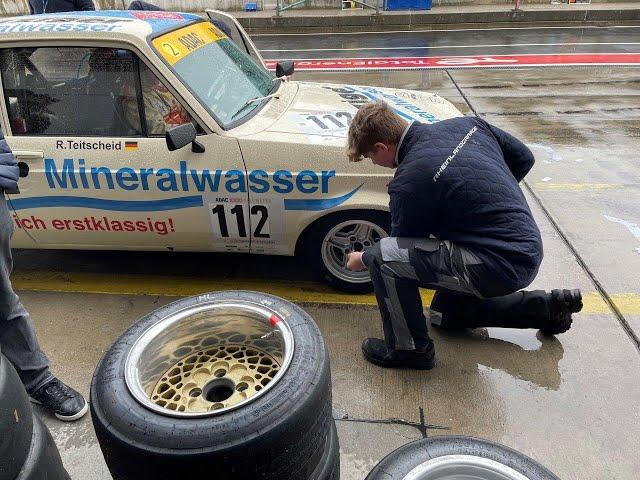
(301, 292)
(577, 187)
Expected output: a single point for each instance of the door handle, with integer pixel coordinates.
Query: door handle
(28, 156)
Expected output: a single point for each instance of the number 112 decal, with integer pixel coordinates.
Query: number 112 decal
(229, 221)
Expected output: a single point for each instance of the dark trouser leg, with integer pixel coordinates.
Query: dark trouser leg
(397, 267)
(526, 309)
(403, 320)
(18, 340)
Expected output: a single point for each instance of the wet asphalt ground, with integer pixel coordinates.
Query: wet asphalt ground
(571, 402)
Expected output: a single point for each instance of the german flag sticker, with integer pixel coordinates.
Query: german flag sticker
(130, 146)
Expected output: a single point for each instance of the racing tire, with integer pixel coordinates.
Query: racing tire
(43, 460)
(329, 466)
(449, 457)
(328, 259)
(16, 422)
(279, 432)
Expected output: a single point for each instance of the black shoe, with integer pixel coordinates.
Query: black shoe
(563, 304)
(376, 352)
(67, 404)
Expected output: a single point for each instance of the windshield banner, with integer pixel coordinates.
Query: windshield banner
(176, 45)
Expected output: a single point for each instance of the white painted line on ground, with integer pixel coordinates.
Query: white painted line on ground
(633, 228)
(448, 46)
(587, 27)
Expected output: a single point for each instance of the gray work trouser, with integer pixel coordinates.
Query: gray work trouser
(18, 340)
(398, 266)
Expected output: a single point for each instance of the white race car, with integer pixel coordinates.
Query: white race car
(165, 131)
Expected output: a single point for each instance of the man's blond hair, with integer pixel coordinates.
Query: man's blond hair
(374, 122)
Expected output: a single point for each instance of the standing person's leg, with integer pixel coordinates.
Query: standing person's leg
(17, 335)
(19, 343)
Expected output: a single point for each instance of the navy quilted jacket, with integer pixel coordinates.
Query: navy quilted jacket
(458, 180)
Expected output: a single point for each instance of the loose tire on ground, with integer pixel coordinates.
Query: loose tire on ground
(326, 261)
(329, 466)
(450, 457)
(16, 424)
(279, 434)
(43, 461)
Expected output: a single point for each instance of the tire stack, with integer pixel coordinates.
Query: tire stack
(27, 450)
(158, 394)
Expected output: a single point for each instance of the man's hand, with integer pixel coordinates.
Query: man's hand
(355, 263)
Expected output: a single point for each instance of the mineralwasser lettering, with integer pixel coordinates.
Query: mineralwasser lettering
(75, 175)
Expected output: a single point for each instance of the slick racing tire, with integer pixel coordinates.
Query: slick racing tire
(16, 423)
(329, 466)
(43, 461)
(454, 457)
(333, 237)
(232, 384)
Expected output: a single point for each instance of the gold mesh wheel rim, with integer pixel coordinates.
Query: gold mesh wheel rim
(200, 381)
(243, 320)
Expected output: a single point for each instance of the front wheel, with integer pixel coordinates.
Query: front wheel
(331, 240)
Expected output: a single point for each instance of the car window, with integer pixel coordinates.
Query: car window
(71, 91)
(162, 110)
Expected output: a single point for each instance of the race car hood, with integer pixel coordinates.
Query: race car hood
(324, 111)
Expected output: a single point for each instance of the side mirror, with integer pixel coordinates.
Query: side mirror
(284, 68)
(181, 136)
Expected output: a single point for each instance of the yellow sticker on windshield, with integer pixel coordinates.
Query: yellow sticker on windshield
(176, 45)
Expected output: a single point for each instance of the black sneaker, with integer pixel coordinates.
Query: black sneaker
(563, 304)
(67, 404)
(376, 352)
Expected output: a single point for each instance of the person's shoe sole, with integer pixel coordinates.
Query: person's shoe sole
(428, 366)
(66, 418)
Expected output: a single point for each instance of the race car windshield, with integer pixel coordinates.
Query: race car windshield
(222, 76)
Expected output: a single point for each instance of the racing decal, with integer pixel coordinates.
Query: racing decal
(56, 23)
(357, 96)
(334, 124)
(318, 204)
(105, 204)
(75, 175)
(469, 61)
(107, 145)
(91, 223)
(176, 45)
(156, 15)
(233, 219)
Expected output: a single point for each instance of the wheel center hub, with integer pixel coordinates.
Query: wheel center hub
(218, 390)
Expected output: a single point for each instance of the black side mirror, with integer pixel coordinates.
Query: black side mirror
(181, 136)
(284, 68)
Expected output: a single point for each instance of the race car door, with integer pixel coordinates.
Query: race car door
(91, 123)
(230, 26)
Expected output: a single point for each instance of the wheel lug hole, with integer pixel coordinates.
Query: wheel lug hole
(352, 238)
(196, 392)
